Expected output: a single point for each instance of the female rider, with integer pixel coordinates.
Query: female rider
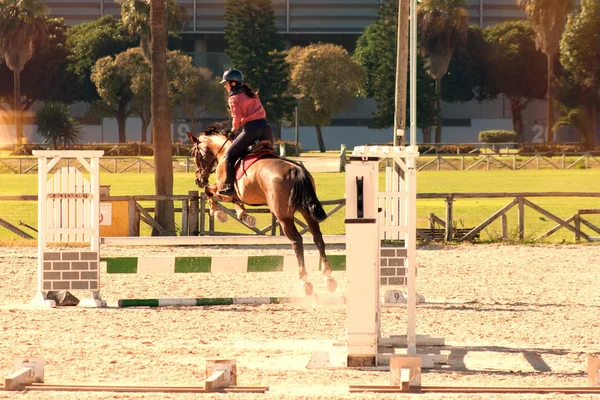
(247, 112)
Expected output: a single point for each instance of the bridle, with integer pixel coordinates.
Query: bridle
(210, 166)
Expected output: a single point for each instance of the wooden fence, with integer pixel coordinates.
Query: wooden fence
(116, 165)
(196, 220)
(519, 200)
(510, 162)
(112, 165)
(195, 217)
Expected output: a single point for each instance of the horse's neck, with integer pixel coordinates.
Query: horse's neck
(219, 148)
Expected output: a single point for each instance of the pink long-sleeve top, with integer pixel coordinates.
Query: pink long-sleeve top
(245, 109)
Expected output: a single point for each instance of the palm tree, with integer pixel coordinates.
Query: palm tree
(443, 25)
(56, 125)
(548, 19)
(136, 19)
(161, 130)
(580, 119)
(22, 29)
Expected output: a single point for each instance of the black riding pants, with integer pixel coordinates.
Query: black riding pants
(254, 131)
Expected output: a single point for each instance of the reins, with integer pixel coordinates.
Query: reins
(209, 165)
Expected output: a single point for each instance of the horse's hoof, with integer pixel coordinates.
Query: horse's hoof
(331, 284)
(249, 220)
(308, 288)
(221, 216)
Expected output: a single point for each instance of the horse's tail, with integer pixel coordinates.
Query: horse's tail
(303, 195)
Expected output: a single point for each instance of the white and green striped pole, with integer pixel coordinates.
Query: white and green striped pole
(226, 301)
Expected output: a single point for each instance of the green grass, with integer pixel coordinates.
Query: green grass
(467, 212)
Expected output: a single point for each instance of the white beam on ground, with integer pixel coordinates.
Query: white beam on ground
(19, 379)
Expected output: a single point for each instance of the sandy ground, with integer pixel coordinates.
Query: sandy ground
(511, 315)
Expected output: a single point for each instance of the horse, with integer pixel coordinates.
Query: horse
(283, 185)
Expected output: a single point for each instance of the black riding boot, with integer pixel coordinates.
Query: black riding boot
(228, 189)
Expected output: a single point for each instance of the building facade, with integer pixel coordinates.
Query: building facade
(338, 21)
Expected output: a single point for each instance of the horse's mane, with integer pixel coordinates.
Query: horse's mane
(214, 129)
(217, 128)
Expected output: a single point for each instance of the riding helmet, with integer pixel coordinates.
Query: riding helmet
(234, 75)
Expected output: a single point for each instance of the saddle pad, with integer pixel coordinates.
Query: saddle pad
(246, 162)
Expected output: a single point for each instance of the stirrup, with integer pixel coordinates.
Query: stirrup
(227, 190)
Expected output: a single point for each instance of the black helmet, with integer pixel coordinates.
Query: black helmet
(234, 75)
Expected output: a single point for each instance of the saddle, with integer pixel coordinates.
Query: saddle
(262, 149)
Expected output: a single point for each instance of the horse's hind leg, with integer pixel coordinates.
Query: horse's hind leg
(289, 228)
(315, 230)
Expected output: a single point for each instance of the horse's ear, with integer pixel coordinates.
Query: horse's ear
(192, 138)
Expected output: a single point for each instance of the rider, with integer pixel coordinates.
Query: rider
(247, 112)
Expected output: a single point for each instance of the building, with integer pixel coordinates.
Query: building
(338, 21)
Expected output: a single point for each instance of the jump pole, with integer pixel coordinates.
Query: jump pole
(226, 301)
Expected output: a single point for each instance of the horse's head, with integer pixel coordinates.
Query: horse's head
(203, 158)
(206, 150)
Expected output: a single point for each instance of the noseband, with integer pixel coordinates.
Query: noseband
(210, 167)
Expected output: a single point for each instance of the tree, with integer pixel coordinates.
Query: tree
(376, 53)
(22, 29)
(198, 91)
(328, 78)
(124, 84)
(135, 75)
(161, 132)
(580, 119)
(136, 20)
(548, 17)
(579, 55)
(574, 104)
(194, 89)
(517, 68)
(443, 25)
(89, 42)
(112, 77)
(256, 48)
(45, 77)
(467, 72)
(56, 125)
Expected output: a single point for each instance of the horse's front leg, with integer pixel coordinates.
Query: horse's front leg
(242, 215)
(211, 191)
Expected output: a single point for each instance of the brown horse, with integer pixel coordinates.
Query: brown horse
(284, 186)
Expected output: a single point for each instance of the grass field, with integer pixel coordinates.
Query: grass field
(467, 213)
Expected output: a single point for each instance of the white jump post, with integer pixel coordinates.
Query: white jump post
(362, 247)
(68, 212)
(373, 216)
